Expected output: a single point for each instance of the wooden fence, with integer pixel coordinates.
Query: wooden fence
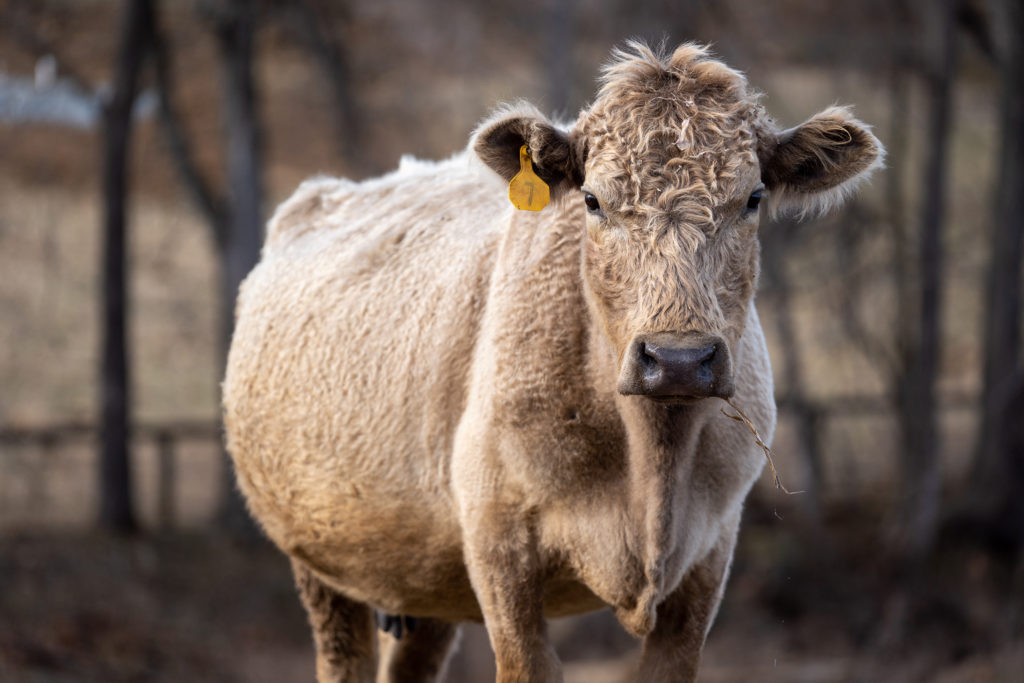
(165, 438)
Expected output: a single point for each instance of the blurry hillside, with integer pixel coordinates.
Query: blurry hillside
(821, 589)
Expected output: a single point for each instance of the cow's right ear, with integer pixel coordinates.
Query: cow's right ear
(812, 168)
(497, 142)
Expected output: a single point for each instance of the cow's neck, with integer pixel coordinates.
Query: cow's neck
(660, 446)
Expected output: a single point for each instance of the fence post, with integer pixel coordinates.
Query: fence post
(166, 479)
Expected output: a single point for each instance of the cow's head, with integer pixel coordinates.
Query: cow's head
(672, 162)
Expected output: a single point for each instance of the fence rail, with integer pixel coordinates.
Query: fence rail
(166, 437)
(853, 405)
(65, 431)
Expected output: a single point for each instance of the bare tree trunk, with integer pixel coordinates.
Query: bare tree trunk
(207, 200)
(808, 423)
(314, 23)
(896, 159)
(921, 465)
(1002, 340)
(1006, 521)
(235, 25)
(116, 508)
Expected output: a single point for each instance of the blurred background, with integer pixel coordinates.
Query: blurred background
(143, 143)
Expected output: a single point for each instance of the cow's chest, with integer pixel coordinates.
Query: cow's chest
(566, 449)
(627, 553)
(627, 525)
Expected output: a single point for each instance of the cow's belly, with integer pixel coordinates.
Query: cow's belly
(397, 561)
(401, 561)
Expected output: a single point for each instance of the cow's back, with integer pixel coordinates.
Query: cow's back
(348, 368)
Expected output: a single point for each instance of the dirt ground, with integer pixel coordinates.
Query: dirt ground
(86, 607)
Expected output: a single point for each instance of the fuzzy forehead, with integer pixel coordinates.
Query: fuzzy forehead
(671, 135)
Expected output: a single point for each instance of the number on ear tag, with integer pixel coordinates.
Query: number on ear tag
(526, 190)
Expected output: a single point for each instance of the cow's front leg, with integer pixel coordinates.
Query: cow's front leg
(672, 651)
(504, 568)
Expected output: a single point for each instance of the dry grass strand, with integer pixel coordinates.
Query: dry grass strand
(740, 416)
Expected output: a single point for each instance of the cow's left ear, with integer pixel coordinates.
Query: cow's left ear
(812, 168)
(555, 159)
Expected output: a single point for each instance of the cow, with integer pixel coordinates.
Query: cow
(445, 408)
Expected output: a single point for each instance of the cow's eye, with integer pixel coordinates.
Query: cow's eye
(754, 201)
(592, 203)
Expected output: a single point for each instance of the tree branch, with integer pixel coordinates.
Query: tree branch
(312, 24)
(210, 204)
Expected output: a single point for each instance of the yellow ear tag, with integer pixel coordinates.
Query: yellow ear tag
(526, 190)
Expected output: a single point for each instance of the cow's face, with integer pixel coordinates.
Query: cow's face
(672, 161)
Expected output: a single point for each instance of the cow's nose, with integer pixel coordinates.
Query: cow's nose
(666, 368)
